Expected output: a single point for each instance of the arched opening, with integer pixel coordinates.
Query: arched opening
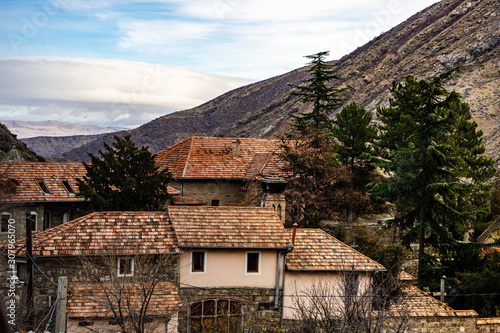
(215, 315)
(65, 217)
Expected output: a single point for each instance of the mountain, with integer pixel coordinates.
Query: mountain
(53, 145)
(10, 144)
(448, 34)
(29, 129)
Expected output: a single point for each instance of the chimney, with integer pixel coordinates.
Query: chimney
(295, 225)
(237, 148)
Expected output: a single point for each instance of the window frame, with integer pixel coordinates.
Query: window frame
(118, 268)
(34, 223)
(2, 221)
(197, 311)
(259, 260)
(67, 185)
(191, 262)
(44, 187)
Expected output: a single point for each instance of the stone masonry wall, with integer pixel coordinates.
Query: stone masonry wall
(257, 304)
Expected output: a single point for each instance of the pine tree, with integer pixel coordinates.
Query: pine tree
(434, 155)
(317, 91)
(125, 177)
(354, 142)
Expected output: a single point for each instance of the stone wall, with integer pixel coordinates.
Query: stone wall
(227, 192)
(258, 311)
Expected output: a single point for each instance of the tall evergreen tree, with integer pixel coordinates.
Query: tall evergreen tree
(434, 155)
(354, 141)
(318, 91)
(125, 177)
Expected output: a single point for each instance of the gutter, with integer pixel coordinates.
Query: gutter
(288, 250)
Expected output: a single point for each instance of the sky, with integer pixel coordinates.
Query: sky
(122, 63)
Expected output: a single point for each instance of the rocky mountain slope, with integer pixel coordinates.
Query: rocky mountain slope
(53, 145)
(448, 34)
(8, 141)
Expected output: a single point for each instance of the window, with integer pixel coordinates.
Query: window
(215, 202)
(21, 270)
(46, 220)
(31, 220)
(10, 186)
(65, 217)
(125, 267)
(351, 284)
(215, 315)
(43, 187)
(198, 261)
(5, 222)
(253, 263)
(68, 187)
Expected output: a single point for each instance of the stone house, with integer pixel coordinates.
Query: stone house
(229, 269)
(112, 260)
(226, 172)
(39, 194)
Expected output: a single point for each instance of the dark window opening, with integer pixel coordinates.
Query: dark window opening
(44, 187)
(125, 267)
(5, 222)
(198, 261)
(85, 323)
(252, 262)
(46, 220)
(215, 202)
(68, 187)
(31, 220)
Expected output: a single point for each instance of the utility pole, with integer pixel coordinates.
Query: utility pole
(30, 272)
(62, 298)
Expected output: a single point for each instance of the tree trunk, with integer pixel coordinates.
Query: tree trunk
(421, 242)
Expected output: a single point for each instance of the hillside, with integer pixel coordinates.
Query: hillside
(9, 141)
(52, 145)
(448, 34)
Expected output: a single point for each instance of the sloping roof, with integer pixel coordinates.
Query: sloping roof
(106, 233)
(487, 233)
(315, 250)
(228, 227)
(90, 301)
(26, 174)
(416, 303)
(214, 158)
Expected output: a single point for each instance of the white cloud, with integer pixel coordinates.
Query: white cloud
(101, 92)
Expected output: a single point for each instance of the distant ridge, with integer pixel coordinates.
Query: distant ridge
(448, 34)
(30, 129)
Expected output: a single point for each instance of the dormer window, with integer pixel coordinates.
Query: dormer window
(10, 186)
(68, 187)
(44, 187)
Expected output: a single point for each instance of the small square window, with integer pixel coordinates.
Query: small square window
(253, 263)
(125, 267)
(21, 270)
(214, 202)
(198, 261)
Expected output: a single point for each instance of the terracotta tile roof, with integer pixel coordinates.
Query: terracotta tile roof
(213, 158)
(107, 233)
(316, 250)
(173, 191)
(416, 303)
(405, 276)
(26, 175)
(90, 301)
(228, 227)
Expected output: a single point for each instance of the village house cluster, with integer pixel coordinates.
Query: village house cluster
(220, 255)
